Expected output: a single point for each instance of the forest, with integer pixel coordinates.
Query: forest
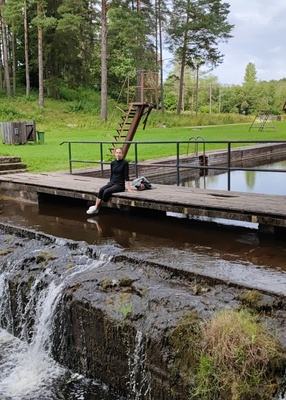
(58, 46)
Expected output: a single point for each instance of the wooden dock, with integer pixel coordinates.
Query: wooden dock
(268, 211)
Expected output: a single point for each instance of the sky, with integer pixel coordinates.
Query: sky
(259, 37)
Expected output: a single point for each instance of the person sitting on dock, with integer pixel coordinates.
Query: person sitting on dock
(119, 177)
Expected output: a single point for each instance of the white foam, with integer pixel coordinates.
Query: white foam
(24, 371)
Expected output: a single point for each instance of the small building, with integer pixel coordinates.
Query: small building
(19, 132)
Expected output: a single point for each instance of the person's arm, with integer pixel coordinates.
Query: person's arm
(128, 187)
(126, 177)
(111, 170)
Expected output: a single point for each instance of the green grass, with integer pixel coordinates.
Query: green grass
(60, 122)
(238, 359)
(231, 356)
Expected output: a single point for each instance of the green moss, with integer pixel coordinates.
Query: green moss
(76, 287)
(15, 282)
(125, 281)
(184, 340)
(4, 252)
(30, 282)
(44, 258)
(126, 310)
(106, 284)
(251, 298)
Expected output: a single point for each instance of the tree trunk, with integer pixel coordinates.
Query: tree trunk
(26, 45)
(181, 85)
(40, 60)
(5, 54)
(161, 56)
(13, 40)
(182, 74)
(104, 60)
(1, 77)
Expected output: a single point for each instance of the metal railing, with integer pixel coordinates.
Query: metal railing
(177, 153)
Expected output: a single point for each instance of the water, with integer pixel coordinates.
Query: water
(26, 374)
(138, 382)
(247, 181)
(27, 371)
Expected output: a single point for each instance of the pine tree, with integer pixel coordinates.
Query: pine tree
(196, 27)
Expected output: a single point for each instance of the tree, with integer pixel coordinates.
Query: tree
(58, 44)
(40, 56)
(26, 49)
(250, 74)
(103, 60)
(250, 102)
(195, 29)
(13, 11)
(5, 49)
(130, 46)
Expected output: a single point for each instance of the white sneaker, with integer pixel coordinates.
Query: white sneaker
(92, 210)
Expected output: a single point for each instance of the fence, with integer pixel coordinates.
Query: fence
(226, 160)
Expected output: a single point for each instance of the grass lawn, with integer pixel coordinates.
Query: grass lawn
(61, 124)
(52, 156)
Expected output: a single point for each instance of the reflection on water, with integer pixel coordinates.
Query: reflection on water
(152, 235)
(245, 181)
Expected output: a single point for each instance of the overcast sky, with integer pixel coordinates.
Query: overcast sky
(259, 37)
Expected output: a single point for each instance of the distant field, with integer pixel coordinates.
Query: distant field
(51, 156)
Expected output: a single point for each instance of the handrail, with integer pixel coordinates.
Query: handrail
(177, 165)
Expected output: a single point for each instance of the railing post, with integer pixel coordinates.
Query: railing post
(136, 159)
(101, 159)
(178, 164)
(228, 164)
(70, 161)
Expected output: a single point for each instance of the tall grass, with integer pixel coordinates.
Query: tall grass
(76, 118)
(239, 359)
(231, 356)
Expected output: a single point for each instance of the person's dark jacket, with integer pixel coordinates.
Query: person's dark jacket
(119, 172)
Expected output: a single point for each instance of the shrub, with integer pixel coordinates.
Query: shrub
(238, 359)
(8, 113)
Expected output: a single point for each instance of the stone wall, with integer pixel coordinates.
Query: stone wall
(115, 316)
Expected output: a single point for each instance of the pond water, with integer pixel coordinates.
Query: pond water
(246, 181)
(229, 253)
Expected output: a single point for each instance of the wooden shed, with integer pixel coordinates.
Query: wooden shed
(19, 132)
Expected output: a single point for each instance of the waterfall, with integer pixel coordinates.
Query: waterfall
(139, 381)
(27, 371)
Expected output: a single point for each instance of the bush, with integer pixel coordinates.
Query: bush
(232, 356)
(239, 359)
(8, 113)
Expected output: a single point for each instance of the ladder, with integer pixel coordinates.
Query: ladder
(260, 120)
(128, 126)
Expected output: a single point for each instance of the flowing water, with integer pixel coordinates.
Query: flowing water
(27, 372)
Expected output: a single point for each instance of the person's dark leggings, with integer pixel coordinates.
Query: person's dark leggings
(106, 191)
